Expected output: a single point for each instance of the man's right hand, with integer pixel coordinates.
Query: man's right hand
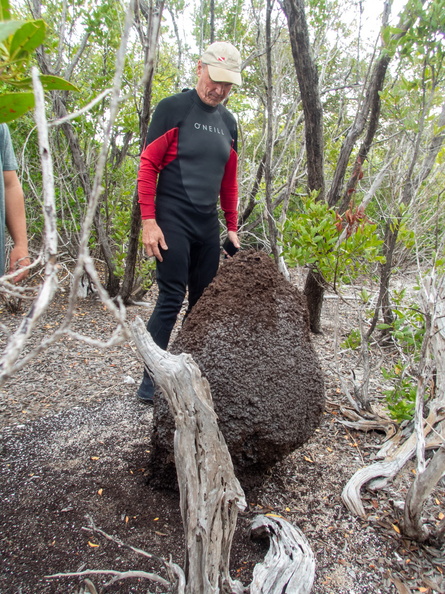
(153, 238)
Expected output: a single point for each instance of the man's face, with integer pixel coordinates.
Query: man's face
(209, 91)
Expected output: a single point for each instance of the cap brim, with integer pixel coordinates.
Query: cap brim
(223, 75)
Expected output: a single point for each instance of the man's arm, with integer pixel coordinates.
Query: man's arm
(16, 223)
(229, 197)
(161, 148)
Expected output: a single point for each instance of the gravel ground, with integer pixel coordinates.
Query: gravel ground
(75, 443)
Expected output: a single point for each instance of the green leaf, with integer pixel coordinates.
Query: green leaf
(386, 35)
(14, 105)
(49, 83)
(27, 38)
(56, 83)
(5, 10)
(8, 28)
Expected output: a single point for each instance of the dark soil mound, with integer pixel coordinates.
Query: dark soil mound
(249, 334)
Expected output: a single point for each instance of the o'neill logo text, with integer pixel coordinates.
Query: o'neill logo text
(206, 128)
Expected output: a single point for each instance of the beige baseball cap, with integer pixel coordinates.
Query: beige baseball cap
(224, 62)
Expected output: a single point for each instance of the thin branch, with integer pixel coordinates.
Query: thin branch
(119, 575)
(80, 112)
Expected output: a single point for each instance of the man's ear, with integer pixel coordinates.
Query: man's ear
(199, 68)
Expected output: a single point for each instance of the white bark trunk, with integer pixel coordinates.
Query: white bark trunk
(428, 476)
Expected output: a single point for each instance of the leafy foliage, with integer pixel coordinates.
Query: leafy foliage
(401, 398)
(408, 332)
(18, 41)
(311, 237)
(353, 340)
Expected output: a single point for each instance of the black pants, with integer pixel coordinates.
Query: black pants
(191, 261)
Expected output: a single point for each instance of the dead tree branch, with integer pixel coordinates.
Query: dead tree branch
(211, 494)
(428, 476)
(10, 361)
(289, 565)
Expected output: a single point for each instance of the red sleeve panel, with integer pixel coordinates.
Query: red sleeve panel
(156, 155)
(229, 192)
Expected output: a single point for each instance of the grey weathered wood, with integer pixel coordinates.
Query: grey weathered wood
(428, 475)
(387, 468)
(211, 495)
(289, 565)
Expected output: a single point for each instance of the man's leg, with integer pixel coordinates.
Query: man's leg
(171, 275)
(204, 262)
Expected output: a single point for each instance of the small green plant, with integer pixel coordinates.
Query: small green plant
(147, 268)
(401, 398)
(365, 296)
(353, 340)
(408, 331)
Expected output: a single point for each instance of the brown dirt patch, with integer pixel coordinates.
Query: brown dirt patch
(74, 443)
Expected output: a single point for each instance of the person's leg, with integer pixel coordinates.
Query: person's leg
(204, 261)
(171, 276)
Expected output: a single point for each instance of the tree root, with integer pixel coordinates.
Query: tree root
(289, 565)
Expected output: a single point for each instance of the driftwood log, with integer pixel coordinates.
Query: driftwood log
(210, 494)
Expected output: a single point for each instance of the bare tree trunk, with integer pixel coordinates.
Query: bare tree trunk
(409, 191)
(212, 21)
(427, 476)
(273, 232)
(210, 494)
(314, 289)
(429, 432)
(251, 202)
(60, 111)
(13, 358)
(150, 40)
(307, 76)
(421, 488)
(112, 283)
(370, 104)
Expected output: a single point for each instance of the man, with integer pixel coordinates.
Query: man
(189, 160)
(12, 210)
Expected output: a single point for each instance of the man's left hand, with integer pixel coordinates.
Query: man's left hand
(233, 236)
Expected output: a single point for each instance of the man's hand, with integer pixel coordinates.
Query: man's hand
(233, 236)
(153, 238)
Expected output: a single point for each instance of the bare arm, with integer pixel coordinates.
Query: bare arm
(16, 223)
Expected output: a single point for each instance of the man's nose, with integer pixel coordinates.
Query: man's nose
(220, 89)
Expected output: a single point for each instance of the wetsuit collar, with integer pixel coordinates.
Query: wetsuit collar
(201, 103)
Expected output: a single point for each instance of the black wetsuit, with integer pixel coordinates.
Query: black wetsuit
(189, 160)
